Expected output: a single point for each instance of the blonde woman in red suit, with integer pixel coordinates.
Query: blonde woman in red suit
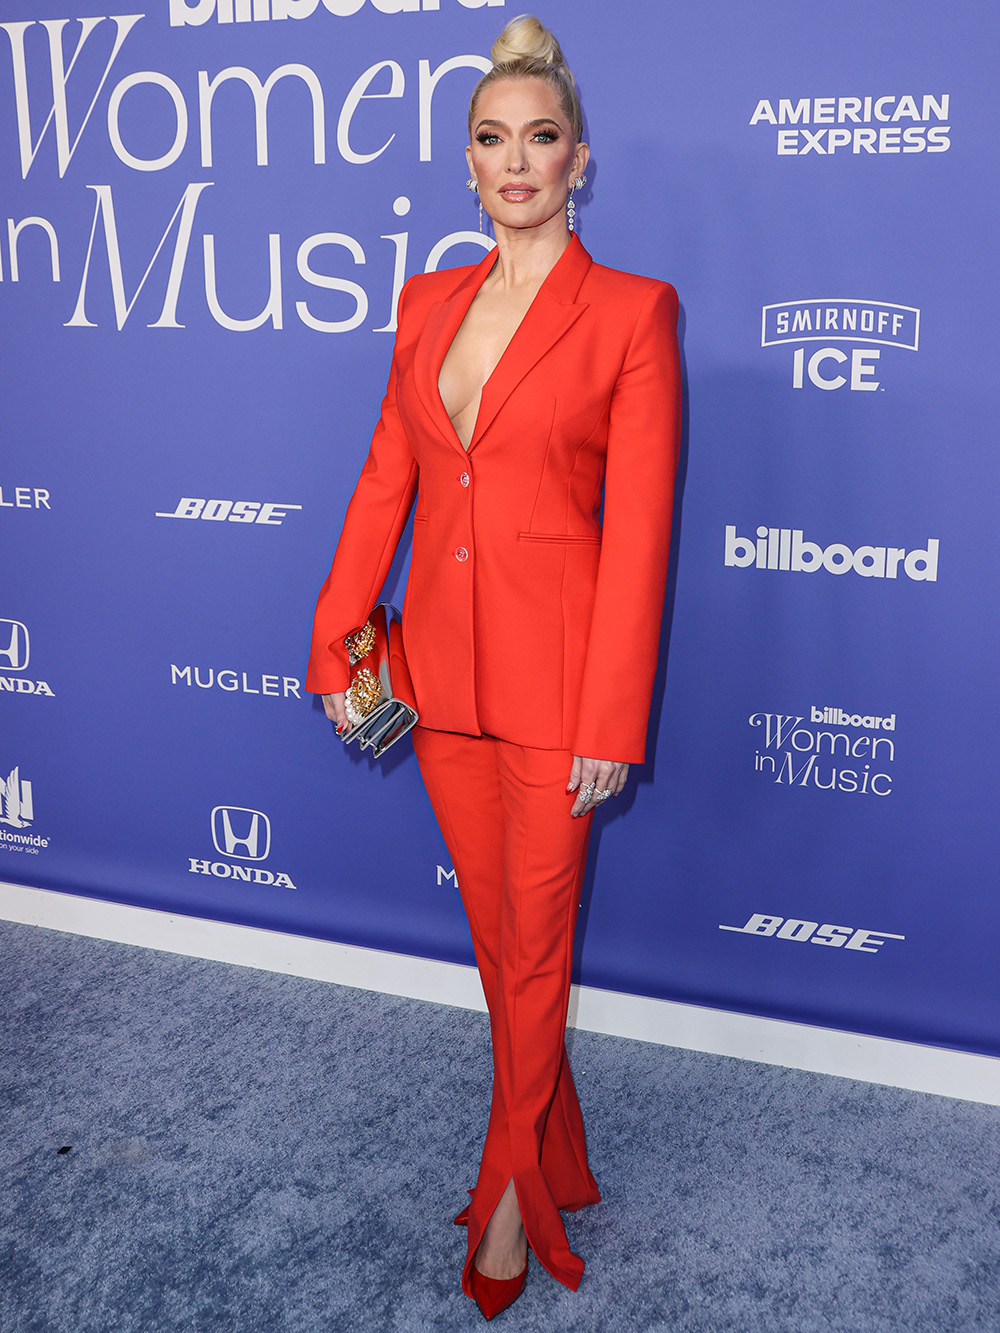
(520, 389)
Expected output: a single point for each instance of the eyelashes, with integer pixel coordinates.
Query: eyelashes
(488, 137)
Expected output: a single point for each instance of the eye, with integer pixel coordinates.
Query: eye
(545, 136)
(487, 137)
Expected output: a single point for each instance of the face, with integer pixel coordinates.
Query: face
(524, 154)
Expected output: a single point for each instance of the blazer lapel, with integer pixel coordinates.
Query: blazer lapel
(444, 318)
(553, 311)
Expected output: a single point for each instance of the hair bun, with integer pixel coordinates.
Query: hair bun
(527, 38)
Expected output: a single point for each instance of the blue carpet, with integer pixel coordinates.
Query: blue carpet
(258, 1152)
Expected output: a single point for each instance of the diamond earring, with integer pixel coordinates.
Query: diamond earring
(473, 185)
(578, 184)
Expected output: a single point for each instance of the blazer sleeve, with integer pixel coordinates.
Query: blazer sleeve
(643, 444)
(372, 528)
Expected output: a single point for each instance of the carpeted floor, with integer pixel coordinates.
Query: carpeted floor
(257, 1152)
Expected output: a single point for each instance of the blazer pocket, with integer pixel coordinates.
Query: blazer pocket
(561, 538)
(420, 518)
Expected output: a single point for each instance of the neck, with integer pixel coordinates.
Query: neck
(526, 255)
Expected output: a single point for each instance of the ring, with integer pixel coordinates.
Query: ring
(602, 795)
(587, 792)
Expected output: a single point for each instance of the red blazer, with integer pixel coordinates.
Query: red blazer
(524, 617)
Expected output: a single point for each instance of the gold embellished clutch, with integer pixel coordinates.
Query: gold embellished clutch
(379, 701)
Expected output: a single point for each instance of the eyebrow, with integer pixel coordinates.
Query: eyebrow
(542, 120)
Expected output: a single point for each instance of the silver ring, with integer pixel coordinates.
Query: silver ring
(602, 795)
(587, 792)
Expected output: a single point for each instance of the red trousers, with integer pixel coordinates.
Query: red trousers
(503, 810)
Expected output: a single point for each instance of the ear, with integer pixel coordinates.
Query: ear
(468, 158)
(580, 159)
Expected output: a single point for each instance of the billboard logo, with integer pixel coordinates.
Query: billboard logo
(15, 645)
(787, 549)
(834, 320)
(256, 11)
(235, 826)
(819, 758)
(270, 513)
(811, 932)
(242, 834)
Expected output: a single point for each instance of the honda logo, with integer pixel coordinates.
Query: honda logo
(14, 649)
(235, 826)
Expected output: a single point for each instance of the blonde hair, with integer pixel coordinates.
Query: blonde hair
(527, 50)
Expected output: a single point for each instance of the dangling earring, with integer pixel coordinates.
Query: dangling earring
(578, 184)
(473, 185)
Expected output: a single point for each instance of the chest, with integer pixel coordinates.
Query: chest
(475, 352)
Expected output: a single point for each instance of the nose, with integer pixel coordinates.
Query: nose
(517, 158)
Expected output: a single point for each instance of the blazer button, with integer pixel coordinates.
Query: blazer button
(465, 478)
(461, 554)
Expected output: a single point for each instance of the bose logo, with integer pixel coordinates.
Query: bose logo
(14, 635)
(784, 548)
(236, 826)
(834, 937)
(233, 511)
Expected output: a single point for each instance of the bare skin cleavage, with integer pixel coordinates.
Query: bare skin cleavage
(489, 325)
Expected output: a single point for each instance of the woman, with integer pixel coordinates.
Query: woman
(519, 388)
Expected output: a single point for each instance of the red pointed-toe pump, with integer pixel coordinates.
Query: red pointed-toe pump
(494, 1294)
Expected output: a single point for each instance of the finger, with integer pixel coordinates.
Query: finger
(580, 805)
(333, 706)
(584, 802)
(574, 773)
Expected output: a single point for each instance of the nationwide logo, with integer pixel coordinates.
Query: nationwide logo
(257, 11)
(18, 812)
(240, 834)
(25, 497)
(269, 512)
(15, 653)
(821, 755)
(16, 798)
(833, 320)
(787, 549)
(871, 124)
(811, 932)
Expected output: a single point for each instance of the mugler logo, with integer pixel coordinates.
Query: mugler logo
(15, 801)
(227, 839)
(15, 635)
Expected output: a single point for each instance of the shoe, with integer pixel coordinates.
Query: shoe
(493, 1294)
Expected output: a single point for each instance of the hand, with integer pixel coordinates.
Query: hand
(333, 707)
(604, 774)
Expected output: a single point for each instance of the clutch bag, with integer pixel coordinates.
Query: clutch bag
(379, 701)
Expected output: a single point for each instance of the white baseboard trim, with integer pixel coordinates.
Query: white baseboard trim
(897, 1064)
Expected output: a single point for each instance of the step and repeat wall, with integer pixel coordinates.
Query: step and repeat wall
(207, 211)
